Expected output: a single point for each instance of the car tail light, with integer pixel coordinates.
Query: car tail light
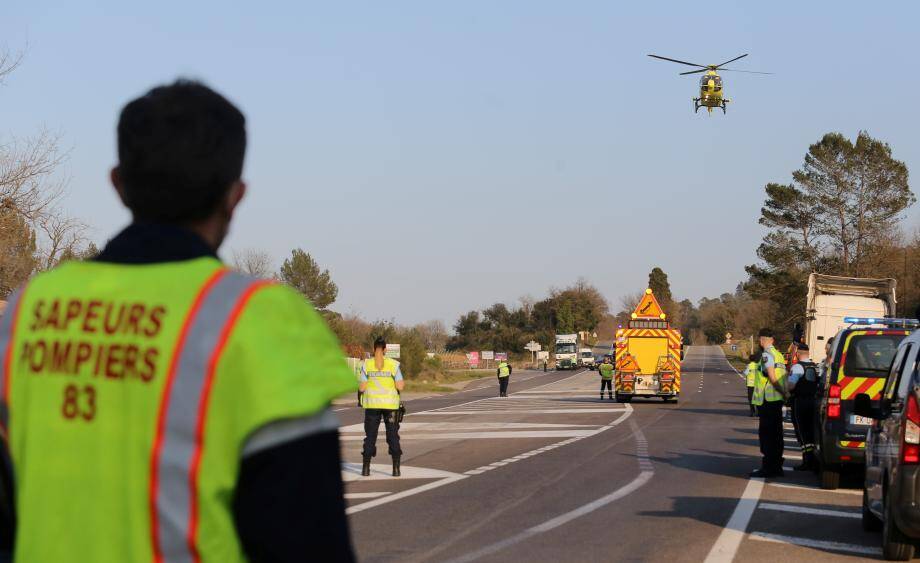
(910, 453)
(833, 402)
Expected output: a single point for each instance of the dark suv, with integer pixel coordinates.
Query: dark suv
(860, 360)
(891, 499)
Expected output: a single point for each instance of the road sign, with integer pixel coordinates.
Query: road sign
(501, 356)
(648, 307)
(487, 355)
(533, 346)
(544, 355)
(734, 347)
(392, 351)
(473, 359)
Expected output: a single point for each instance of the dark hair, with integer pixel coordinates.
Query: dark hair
(754, 357)
(380, 343)
(801, 346)
(180, 148)
(766, 331)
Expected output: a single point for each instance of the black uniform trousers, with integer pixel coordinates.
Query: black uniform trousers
(372, 419)
(770, 431)
(751, 400)
(503, 384)
(606, 384)
(803, 412)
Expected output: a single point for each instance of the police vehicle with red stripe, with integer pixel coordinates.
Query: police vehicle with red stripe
(858, 363)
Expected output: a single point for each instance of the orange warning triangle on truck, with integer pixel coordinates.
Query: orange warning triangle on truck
(648, 307)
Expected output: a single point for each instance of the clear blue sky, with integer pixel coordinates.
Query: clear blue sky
(441, 157)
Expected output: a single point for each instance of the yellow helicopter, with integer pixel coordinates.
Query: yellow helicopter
(711, 93)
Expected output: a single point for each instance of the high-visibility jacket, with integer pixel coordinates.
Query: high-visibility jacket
(381, 392)
(751, 373)
(130, 393)
(606, 370)
(503, 369)
(764, 390)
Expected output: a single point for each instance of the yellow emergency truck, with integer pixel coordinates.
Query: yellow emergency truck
(648, 354)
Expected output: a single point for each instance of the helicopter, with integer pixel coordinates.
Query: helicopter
(711, 93)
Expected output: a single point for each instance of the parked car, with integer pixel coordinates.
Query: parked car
(861, 358)
(891, 498)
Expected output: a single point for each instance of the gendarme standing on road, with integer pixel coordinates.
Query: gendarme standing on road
(381, 384)
(504, 375)
(154, 399)
(769, 397)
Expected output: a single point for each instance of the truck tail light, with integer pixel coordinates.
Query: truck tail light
(833, 402)
(910, 452)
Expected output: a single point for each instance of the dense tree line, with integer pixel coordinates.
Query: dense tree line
(579, 307)
(841, 215)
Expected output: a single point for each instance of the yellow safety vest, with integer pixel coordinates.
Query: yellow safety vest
(764, 390)
(130, 394)
(606, 370)
(381, 390)
(503, 370)
(751, 377)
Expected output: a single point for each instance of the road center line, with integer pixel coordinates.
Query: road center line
(726, 546)
(644, 476)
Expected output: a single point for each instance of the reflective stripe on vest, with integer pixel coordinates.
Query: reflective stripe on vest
(183, 410)
(381, 392)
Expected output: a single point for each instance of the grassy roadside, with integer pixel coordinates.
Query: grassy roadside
(445, 382)
(736, 359)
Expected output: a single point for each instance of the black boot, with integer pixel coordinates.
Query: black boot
(366, 467)
(396, 466)
(611, 396)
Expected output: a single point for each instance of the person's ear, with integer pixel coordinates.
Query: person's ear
(234, 197)
(115, 178)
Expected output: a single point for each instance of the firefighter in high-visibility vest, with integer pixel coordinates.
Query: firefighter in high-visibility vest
(381, 383)
(750, 379)
(769, 397)
(504, 374)
(158, 406)
(606, 370)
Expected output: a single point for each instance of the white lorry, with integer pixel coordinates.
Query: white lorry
(832, 298)
(566, 351)
(586, 357)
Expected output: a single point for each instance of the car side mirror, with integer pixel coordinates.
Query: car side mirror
(863, 407)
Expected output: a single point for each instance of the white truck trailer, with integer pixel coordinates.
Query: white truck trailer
(831, 298)
(566, 351)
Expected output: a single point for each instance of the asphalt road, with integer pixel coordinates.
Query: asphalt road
(552, 473)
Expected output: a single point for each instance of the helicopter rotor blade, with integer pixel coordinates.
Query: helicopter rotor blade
(677, 61)
(733, 60)
(747, 71)
(694, 71)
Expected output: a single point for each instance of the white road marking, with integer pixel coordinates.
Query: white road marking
(351, 471)
(550, 447)
(644, 477)
(519, 411)
(726, 546)
(381, 472)
(365, 495)
(817, 544)
(486, 435)
(452, 426)
(808, 510)
(805, 488)
(403, 494)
